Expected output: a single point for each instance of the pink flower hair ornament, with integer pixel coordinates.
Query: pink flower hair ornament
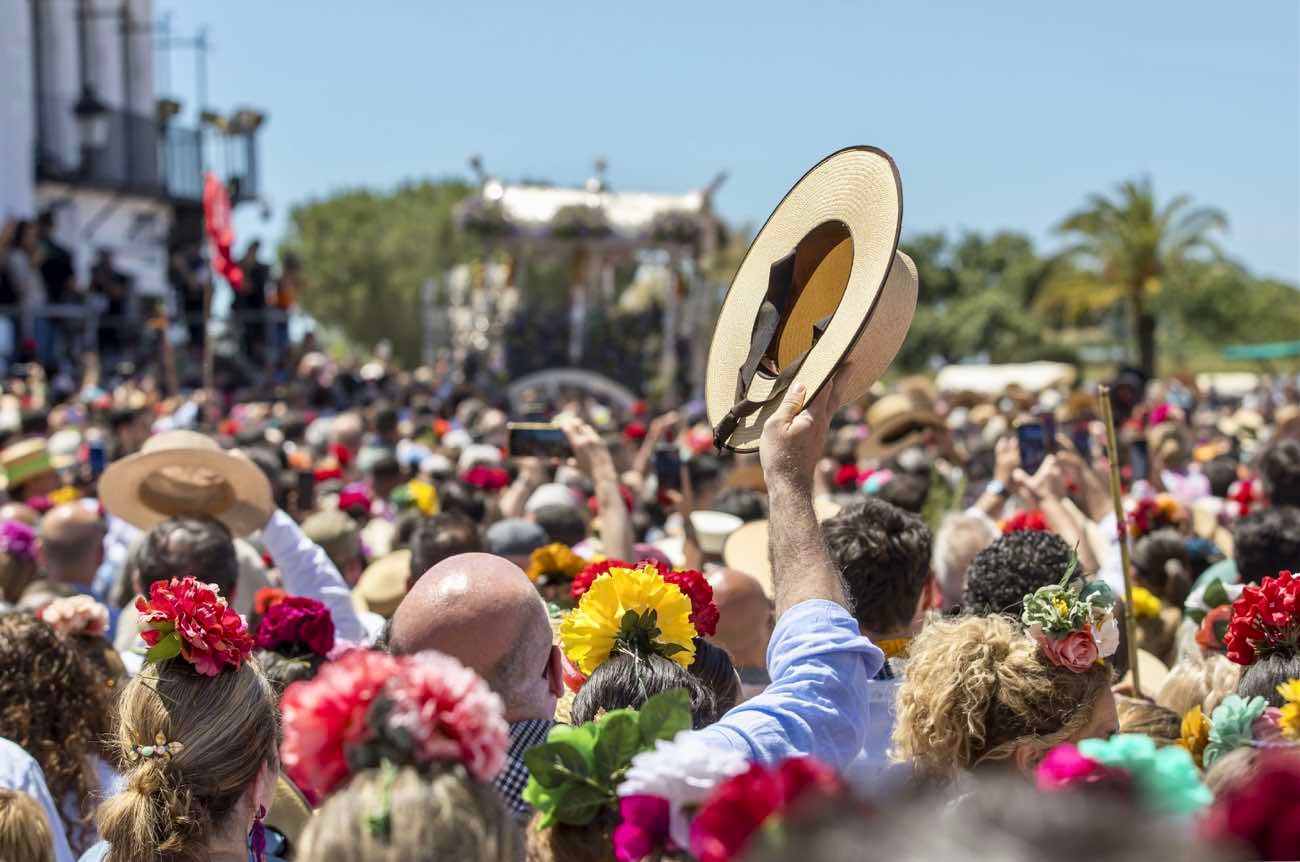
(183, 617)
(367, 709)
(18, 540)
(1073, 623)
(76, 616)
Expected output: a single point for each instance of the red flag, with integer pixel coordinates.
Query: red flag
(221, 232)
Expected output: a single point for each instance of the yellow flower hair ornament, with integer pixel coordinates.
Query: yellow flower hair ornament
(1289, 722)
(631, 610)
(554, 562)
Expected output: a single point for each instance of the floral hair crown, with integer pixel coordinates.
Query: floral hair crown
(1029, 519)
(18, 540)
(416, 494)
(1152, 513)
(368, 708)
(685, 795)
(1265, 619)
(1238, 722)
(1164, 779)
(486, 478)
(294, 624)
(186, 618)
(633, 610)
(574, 776)
(554, 562)
(1073, 623)
(76, 616)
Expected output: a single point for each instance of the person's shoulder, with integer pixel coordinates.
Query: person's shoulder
(18, 769)
(96, 853)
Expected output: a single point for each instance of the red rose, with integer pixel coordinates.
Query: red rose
(1027, 520)
(297, 620)
(1077, 651)
(1262, 812)
(704, 613)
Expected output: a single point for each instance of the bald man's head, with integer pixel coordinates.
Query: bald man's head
(483, 610)
(746, 618)
(19, 512)
(72, 541)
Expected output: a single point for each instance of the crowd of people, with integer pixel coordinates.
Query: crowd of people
(51, 316)
(347, 620)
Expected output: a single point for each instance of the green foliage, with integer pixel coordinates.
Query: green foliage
(366, 254)
(576, 772)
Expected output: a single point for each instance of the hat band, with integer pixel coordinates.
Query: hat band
(766, 325)
(20, 471)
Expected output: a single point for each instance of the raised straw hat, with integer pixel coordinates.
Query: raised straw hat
(185, 473)
(822, 288)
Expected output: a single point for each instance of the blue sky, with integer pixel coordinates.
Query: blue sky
(999, 114)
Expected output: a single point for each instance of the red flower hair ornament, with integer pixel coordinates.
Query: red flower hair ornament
(704, 613)
(1265, 619)
(186, 618)
(1029, 519)
(294, 622)
(368, 707)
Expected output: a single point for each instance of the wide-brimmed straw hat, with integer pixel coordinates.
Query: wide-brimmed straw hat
(746, 549)
(24, 461)
(185, 473)
(896, 422)
(822, 291)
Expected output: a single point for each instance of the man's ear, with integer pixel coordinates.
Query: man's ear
(555, 673)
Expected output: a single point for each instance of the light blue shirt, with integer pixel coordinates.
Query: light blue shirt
(818, 702)
(18, 771)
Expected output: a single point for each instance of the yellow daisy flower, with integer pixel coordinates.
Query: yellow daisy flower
(425, 497)
(1195, 733)
(1145, 604)
(591, 631)
(555, 559)
(1290, 721)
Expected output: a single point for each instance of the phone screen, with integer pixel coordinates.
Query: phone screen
(538, 440)
(306, 491)
(1033, 447)
(1082, 441)
(1140, 459)
(668, 468)
(1047, 419)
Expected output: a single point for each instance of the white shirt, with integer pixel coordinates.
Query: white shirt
(18, 771)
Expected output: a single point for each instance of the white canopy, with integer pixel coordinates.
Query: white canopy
(993, 379)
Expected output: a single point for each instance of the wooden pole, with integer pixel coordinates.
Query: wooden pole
(1112, 448)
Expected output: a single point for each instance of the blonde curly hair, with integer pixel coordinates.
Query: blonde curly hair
(977, 688)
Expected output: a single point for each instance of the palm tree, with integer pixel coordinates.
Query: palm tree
(1126, 249)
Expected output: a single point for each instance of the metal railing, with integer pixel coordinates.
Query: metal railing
(140, 156)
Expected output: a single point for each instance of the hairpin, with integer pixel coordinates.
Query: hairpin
(160, 748)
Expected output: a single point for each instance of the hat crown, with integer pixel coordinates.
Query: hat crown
(173, 440)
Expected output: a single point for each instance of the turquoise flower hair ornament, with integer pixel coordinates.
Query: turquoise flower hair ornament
(1234, 724)
(1073, 622)
(1164, 779)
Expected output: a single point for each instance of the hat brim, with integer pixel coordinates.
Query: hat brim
(859, 188)
(244, 508)
(746, 549)
(898, 433)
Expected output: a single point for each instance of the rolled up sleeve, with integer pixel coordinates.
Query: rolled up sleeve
(306, 570)
(816, 703)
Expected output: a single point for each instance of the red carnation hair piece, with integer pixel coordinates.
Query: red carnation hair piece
(1265, 619)
(1030, 519)
(186, 618)
(297, 621)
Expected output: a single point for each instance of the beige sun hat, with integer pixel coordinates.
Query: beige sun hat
(186, 473)
(822, 287)
(746, 548)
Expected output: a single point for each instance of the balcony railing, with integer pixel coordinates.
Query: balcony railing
(140, 156)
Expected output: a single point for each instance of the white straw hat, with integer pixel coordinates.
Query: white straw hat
(822, 288)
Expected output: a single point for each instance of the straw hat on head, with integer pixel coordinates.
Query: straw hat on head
(383, 584)
(24, 461)
(746, 548)
(896, 423)
(186, 473)
(822, 291)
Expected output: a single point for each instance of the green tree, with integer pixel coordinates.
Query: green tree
(365, 256)
(1127, 249)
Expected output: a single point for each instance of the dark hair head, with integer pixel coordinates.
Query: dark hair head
(1279, 470)
(907, 491)
(1263, 677)
(386, 420)
(1161, 564)
(1222, 472)
(268, 461)
(443, 536)
(34, 423)
(628, 681)
(120, 417)
(289, 663)
(1011, 568)
(53, 705)
(714, 668)
(1266, 542)
(407, 523)
(561, 523)
(703, 469)
(455, 496)
(386, 468)
(883, 553)
(189, 545)
(745, 504)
